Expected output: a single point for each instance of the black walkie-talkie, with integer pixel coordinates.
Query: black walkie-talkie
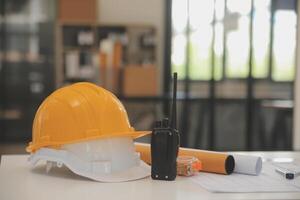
(165, 144)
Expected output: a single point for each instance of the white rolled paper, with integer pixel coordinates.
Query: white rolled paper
(246, 164)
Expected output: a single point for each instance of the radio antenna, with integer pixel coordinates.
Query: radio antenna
(174, 100)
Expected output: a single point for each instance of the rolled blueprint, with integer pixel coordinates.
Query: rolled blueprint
(215, 162)
(245, 164)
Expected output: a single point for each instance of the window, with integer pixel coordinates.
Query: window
(261, 38)
(284, 45)
(217, 33)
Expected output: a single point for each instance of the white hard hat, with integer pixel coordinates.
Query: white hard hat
(106, 160)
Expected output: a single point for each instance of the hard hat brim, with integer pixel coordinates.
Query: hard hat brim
(138, 172)
(32, 147)
(142, 170)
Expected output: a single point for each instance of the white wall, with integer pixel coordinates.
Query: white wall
(149, 12)
(296, 142)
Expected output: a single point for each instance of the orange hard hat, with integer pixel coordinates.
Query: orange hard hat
(79, 112)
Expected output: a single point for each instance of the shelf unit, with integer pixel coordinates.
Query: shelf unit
(132, 36)
(26, 64)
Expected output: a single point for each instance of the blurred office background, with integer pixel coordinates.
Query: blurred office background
(236, 61)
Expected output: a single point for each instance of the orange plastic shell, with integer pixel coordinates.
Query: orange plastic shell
(79, 112)
(188, 165)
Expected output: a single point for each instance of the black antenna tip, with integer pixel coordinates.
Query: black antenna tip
(174, 114)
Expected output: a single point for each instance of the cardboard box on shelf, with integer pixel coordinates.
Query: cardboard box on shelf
(77, 11)
(140, 81)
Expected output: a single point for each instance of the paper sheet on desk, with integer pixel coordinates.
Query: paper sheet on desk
(267, 181)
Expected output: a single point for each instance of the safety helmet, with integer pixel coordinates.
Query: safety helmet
(86, 128)
(79, 112)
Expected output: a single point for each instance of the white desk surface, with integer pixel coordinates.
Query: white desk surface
(19, 181)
